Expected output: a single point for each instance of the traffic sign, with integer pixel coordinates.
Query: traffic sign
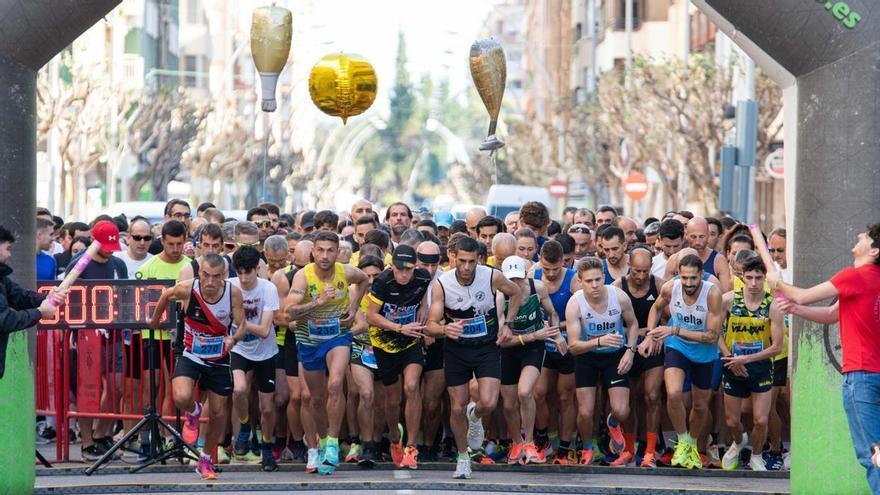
(635, 186)
(558, 188)
(774, 164)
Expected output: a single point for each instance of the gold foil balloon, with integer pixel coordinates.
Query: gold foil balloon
(343, 85)
(271, 29)
(489, 72)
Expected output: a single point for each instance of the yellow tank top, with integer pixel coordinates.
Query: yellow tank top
(748, 332)
(739, 285)
(323, 324)
(281, 332)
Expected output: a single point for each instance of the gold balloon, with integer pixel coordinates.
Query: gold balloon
(489, 72)
(343, 85)
(271, 29)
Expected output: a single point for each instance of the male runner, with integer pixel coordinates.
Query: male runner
(753, 337)
(616, 262)
(434, 384)
(602, 331)
(324, 310)
(465, 299)
(522, 357)
(643, 288)
(396, 313)
(211, 306)
(253, 360)
(691, 340)
(714, 263)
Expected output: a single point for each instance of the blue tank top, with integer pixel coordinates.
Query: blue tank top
(709, 264)
(560, 301)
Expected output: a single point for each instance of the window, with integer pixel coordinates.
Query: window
(190, 65)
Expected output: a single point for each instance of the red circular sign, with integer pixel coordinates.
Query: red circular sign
(635, 186)
(558, 188)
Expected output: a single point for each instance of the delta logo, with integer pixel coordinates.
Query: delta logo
(691, 320)
(602, 327)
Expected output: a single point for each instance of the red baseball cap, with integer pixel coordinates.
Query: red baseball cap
(106, 234)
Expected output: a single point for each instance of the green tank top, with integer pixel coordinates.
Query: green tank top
(529, 317)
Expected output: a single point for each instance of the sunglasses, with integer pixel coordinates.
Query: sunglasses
(229, 245)
(140, 238)
(250, 244)
(777, 250)
(579, 229)
(282, 225)
(264, 224)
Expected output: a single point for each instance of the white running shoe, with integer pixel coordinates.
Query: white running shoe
(756, 463)
(314, 458)
(731, 457)
(462, 469)
(476, 434)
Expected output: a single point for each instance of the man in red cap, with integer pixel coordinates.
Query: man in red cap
(104, 266)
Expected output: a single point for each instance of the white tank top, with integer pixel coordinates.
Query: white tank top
(691, 317)
(474, 304)
(595, 324)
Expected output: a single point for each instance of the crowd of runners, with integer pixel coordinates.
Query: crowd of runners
(326, 337)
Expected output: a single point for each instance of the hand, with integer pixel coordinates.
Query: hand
(786, 305)
(613, 340)
(646, 348)
(47, 308)
(347, 318)
(625, 363)
(326, 295)
(773, 279)
(661, 333)
(453, 330)
(429, 341)
(547, 333)
(414, 330)
(561, 345)
(58, 295)
(732, 361)
(422, 316)
(228, 343)
(504, 333)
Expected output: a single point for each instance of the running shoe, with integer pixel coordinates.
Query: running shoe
(730, 461)
(191, 425)
(268, 463)
(205, 469)
(565, 457)
(530, 455)
(222, 455)
(617, 443)
(314, 458)
(682, 451)
(625, 459)
(476, 433)
(773, 460)
(462, 469)
(756, 463)
(649, 460)
(397, 453)
(298, 451)
(585, 457)
(354, 453)
(694, 461)
(330, 456)
(515, 454)
(410, 454)
(368, 456)
(713, 458)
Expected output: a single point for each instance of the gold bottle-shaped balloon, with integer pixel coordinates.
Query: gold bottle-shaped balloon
(489, 72)
(343, 85)
(271, 30)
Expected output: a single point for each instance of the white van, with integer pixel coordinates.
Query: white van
(505, 198)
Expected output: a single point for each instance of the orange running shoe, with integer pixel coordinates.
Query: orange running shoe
(530, 455)
(649, 460)
(624, 459)
(397, 453)
(410, 454)
(515, 454)
(617, 443)
(586, 457)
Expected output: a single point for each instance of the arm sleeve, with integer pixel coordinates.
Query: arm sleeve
(16, 319)
(20, 298)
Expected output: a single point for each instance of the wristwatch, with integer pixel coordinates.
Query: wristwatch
(633, 348)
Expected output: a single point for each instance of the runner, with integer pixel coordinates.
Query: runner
(211, 306)
(253, 359)
(465, 299)
(324, 311)
(753, 337)
(670, 237)
(642, 288)
(691, 341)
(616, 262)
(714, 263)
(522, 357)
(434, 384)
(602, 331)
(583, 240)
(396, 313)
(557, 374)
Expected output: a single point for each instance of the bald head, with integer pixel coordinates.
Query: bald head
(302, 253)
(361, 208)
(503, 246)
(428, 247)
(641, 256)
(473, 217)
(629, 227)
(429, 250)
(696, 232)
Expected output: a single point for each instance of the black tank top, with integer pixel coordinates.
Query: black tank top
(642, 305)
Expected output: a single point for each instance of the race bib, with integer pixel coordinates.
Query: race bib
(747, 348)
(207, 347)
(368, 357)
(550, 346)
(249, 337)
(324, 329)
(524, 331)
(402, 317)
(474, 327)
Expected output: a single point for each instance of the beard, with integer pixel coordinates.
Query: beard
(398, 229)
(690, 290)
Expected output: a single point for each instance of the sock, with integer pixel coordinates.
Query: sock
(322, 442)
(588, 445)
(714, 439)
(197, 409)
(651, 443)
(267, 439)
(563, 448)
(630, 443)
(541, 435)
(332, 441)
(612, 422)
(205, 456)
(464, 456)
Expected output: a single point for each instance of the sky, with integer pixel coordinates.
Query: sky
(438, 35)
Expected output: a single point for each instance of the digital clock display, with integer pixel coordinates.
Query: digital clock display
(108, 304)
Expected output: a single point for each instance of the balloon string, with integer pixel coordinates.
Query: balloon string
(265, 152)
(494, 159)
